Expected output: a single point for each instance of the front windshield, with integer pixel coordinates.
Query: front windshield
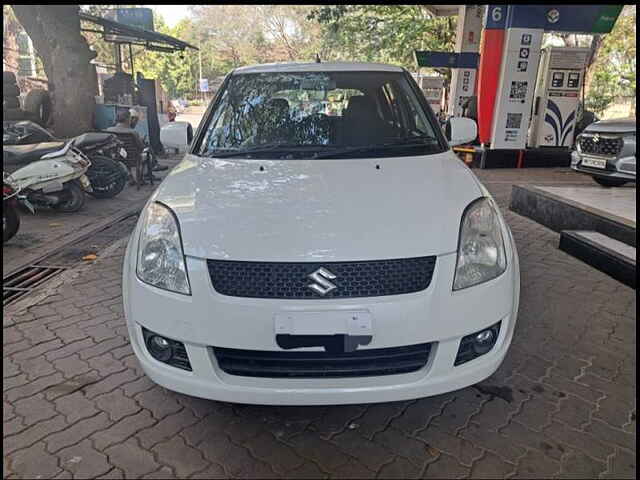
(313, 114)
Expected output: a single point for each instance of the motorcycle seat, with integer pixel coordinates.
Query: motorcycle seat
(92, 139)
(19, 155)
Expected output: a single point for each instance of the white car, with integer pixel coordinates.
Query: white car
(321, 259)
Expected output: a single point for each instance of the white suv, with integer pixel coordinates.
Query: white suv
(297, 257)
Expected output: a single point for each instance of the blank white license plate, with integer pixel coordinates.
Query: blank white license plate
(594, 162)
(324, 323)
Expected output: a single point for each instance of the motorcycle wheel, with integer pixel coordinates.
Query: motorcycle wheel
(72, 198)
(106, 177)
(10, 222)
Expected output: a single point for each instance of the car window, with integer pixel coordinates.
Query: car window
(310, 110)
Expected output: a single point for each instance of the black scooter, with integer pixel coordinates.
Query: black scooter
(26, 141)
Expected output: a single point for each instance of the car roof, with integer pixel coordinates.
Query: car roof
(318, 67)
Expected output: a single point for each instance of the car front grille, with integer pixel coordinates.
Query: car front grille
(595, 144)
(291, 280)
(307, 364)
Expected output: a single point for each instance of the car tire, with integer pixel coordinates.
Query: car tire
(38, 102)
(14, 114)
(10, 90)
(10, 102)
(609, 182)
(8, 78)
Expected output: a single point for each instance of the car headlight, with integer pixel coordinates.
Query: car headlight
(160, 254)
(481, 253)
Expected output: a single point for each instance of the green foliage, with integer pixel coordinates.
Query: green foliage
(230, 36)
(603, 91)
(382, 33)
(614, 72)
(176, 72)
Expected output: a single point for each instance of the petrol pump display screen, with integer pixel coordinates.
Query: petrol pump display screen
(574, 80)
(557, 81)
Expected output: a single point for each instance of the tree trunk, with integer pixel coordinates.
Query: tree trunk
(596, 43)
(55, 33)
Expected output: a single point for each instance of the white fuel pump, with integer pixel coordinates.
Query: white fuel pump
(557, 95)
(433, 89)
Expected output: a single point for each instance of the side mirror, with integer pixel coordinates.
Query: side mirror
(460, 130)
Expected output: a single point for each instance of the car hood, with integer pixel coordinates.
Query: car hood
(319, 210)
(621, 125)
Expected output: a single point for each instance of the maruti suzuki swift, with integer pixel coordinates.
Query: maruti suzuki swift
(320, 243)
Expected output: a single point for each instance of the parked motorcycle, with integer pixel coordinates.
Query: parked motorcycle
(58, 180)
(108, 173)
(10, 215)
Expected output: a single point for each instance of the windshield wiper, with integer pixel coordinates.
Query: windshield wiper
(398, 143)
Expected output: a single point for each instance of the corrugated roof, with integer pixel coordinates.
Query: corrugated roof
(151, 40)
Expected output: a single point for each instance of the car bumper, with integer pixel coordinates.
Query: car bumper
(206, 319)
(616, 168)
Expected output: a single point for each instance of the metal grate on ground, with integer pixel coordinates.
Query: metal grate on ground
(31, 277)
(27, 280)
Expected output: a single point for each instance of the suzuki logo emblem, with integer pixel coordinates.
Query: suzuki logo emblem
(596, 138)
(321, 284)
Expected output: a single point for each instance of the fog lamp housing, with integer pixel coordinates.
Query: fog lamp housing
(477, 344)
(166, 350)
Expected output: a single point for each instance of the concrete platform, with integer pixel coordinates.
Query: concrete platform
(609, 211)
(616, 259)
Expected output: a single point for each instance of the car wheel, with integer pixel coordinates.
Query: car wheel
(38, 102)
(10, 102)
(10, 90)
(609, 182)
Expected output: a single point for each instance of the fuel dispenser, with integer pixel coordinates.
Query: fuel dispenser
(557, 96)
(433, 89)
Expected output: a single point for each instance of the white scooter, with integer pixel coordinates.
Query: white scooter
(58, 180)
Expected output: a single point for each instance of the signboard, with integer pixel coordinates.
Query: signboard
(134, 17)
(564, 18)
(426, 58)
(516, 88)
(496, 17)
(204, 85)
